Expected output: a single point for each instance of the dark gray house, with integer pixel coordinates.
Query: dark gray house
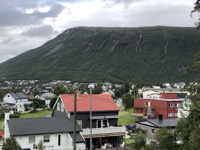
(152, 125)
(105, 129)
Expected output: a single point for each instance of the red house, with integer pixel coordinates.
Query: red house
(166, 106)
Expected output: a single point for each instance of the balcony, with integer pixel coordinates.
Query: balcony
(104, 132)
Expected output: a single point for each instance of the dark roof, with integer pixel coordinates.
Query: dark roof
(18, 95)
(79, 138)
(46, 125)
(164, 122)
(169, 123)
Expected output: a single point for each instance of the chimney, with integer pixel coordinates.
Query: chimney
(160, 117)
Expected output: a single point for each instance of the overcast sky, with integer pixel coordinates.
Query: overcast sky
(27, 24)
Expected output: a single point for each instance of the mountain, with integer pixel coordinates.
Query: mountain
(146, 54)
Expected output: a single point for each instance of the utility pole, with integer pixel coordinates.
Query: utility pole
(75, 100)
(90, 86)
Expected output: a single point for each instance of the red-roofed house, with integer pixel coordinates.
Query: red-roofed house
(104, 117)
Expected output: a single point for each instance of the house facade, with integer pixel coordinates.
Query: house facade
(105, 128)
(55, 133)
(167, 105)
(16, 101)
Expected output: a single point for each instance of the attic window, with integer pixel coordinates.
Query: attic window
(62, 107)
(58, 106)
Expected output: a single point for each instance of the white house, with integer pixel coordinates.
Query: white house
(146, 94)
(16, 101)
(46, 97)
(154, 96)
(55, 133)
(184, 109)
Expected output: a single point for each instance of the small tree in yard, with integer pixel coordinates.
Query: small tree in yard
(40, 145)
(166, 139)
(127, 101)
(11, 144)
(140, 138)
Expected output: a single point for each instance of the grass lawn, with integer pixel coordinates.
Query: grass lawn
(125, 117)
(128, 141)
(39, 113)
(1, 123)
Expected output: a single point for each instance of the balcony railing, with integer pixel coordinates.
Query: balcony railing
(104, 132)
(63, 147)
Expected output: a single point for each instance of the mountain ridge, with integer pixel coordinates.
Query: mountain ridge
(116, 54)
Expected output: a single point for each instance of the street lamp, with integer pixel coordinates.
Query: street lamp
(90, 87)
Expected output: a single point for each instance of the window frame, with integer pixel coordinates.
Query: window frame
(46, 138)
(31, 139)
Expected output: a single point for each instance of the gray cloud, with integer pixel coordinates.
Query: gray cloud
(126, 3)
(41, 31)
(12, 14)
(21, 31)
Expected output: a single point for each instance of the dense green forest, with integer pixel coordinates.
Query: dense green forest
(145, 54)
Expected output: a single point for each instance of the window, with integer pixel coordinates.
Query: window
(31, 139)
(152, 130)
(171, 105)
(46, 138)
(170, 114)
(62, 107)
(177, 105)
(58, 106)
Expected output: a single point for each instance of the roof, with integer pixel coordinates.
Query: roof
(99, 103)
(35, 126)
(79, 138)
(160, 123)
(18, 95)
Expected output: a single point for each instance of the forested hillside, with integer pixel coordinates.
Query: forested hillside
(147, 54)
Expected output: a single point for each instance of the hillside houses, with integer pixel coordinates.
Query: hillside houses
(56, 132)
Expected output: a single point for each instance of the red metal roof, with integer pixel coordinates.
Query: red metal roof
(99, 103)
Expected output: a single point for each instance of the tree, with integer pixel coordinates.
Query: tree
(52, 102)
(60, 89)
(196, 9)
(188, 128)
(97, 89)
(11, 144)
(140, 138)
(127, 101)
(127, 87)
(40, 145)
(166, 139)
